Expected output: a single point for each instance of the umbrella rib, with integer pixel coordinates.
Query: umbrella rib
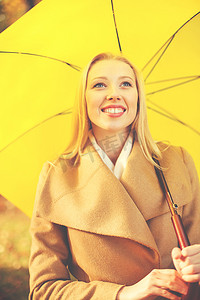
(113, 12)
(172, 79)
(65, 112)
(166, 45)
(173, 86)
(186, 22)
(162, 113)
(159, 58)
(170, 116)
(77, 68)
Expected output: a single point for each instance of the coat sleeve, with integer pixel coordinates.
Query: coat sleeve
(49, 276)
(191, 211)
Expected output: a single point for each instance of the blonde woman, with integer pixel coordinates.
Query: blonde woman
(100, 213)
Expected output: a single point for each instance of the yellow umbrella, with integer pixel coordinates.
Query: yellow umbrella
(37, 92)
(173, 87)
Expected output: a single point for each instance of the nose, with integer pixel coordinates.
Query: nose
(113, 94)
(113, 98)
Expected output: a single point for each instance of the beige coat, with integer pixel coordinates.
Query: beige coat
(108, 233)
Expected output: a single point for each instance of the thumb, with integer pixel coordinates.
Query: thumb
(176, 256)
(176, 253)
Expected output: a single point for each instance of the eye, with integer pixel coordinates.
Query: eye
(99, 85)
(126, 83)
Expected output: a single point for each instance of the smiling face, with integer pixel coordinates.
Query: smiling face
(111, 96)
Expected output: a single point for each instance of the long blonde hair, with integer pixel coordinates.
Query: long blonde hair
(81, 123)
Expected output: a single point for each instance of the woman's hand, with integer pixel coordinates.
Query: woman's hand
(157, 283)
(187, 262)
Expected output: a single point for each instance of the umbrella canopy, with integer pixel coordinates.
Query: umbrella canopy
(42, 54)
(173, 85)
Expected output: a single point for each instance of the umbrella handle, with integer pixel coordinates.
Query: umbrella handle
(180, 232)
(194, 288)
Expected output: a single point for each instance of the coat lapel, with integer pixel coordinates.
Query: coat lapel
(140, 181)
(91, 198)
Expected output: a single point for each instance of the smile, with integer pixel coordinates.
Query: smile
(114, 111)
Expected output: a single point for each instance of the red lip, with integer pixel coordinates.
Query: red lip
(113, 106)
(116, 115)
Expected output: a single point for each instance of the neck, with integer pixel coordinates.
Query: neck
(111, 142)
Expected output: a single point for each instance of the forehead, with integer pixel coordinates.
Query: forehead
(110, 68)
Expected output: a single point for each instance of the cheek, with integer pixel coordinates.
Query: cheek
(93, 104)
(91, 109)
(133, 103)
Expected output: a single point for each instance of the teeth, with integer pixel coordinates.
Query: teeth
(113, 110)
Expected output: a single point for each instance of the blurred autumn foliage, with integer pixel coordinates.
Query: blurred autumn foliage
(14, 225)
(11, 10)
(14, 252)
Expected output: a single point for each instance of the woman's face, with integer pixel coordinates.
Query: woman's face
(111, 96)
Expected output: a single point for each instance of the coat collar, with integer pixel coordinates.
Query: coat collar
(90, 198)
(141, 182)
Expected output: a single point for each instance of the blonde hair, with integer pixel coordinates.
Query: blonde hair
(81, 123)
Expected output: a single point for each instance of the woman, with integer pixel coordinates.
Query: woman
(100, 212)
